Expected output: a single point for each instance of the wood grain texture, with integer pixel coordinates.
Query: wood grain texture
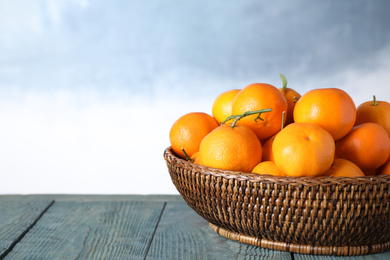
(182, 234)
(148, 228)
(16, 218)
(91, 230)
(380, 256)
(94, 197)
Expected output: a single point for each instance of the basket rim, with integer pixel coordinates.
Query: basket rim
(172, 158)
(301, 248)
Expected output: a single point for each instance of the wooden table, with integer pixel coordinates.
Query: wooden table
(118, 227)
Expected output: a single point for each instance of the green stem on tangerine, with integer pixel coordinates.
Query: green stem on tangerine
(284, 80)
(247, 113)
(186, 155)
(296, 99)
(374, 103)
(283, 115)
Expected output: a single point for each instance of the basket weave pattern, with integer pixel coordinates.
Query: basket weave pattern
(340, 216)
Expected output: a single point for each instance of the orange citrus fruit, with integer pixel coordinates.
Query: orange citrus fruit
(222, 106)
(345, 168)
(367, 145)
(374, 112)
(231, 148)
(303, 149)
(331, 108)
(196, 158)
(269, 168)
(292, 97)
(384, 169)
(267, 149)
(259, 96)
(188, 131)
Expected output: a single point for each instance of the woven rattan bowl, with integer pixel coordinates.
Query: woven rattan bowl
(332, 216)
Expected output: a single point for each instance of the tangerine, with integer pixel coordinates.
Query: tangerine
(292, 97)
(267, 149)
(188, 131)
(367, 145)
(222, 106)
(267, 145)
(195, 158)
(374, 112)
(303, 149)
(268, 168)
(331, 108)
(344, 168)
(231, 148)
(384, 169)
(259, 96)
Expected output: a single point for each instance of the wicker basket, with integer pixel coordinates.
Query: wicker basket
(331, 216)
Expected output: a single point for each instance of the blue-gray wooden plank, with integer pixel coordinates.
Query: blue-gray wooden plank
(124, 228)
(94, 197)
(91, 230)
(183, 234)
(16, 218)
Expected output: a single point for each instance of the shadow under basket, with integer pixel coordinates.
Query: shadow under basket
(322, 216)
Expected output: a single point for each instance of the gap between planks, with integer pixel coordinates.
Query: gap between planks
(19, 238)
(22, 235)
(154, 231)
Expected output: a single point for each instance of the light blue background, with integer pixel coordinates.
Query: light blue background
(89, 89)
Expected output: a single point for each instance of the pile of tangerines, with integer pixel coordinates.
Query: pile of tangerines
(265, 130)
